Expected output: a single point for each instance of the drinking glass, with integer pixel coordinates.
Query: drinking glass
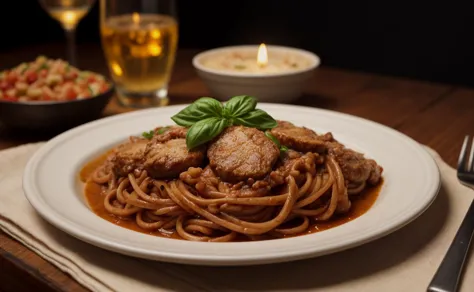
(68, 13)
(139, 39)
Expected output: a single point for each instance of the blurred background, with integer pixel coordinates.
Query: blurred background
(417, 39)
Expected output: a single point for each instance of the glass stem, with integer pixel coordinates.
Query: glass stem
(71, 46)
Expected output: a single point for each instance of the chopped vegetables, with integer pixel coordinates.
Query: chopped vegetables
(49, 80)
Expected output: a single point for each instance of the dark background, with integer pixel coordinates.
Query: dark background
(417, 39)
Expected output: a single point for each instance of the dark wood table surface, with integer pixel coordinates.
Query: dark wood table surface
(437, 115)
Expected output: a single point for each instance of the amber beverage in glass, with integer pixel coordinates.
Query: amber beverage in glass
(139, 39)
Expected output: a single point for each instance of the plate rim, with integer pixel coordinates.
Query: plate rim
(55, 219)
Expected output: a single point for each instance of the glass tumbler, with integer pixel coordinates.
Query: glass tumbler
(139, 39)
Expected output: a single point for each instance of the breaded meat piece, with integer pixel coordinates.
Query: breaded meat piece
(241, 153)
(128, 157)
(170, 158)
(300, 138)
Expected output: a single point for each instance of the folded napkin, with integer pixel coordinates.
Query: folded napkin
(402, 261)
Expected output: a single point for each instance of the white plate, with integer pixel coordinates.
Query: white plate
(51, 184)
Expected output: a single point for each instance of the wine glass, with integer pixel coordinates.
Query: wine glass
(68, 13)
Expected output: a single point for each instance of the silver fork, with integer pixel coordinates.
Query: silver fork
(446, 278)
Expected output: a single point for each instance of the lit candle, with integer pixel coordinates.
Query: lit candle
(262, 56)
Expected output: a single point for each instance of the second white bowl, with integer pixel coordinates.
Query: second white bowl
(277, 86)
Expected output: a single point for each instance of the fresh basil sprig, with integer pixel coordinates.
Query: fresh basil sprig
(207, 117)
(204, 131)
(239, 106)
(203, 108)
(256, 119)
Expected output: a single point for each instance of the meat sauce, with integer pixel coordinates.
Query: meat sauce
(95, 199)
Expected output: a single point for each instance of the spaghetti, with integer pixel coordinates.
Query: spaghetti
(301, 189)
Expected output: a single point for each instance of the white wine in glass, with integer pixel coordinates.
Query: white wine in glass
(140, 39)
(68, 13)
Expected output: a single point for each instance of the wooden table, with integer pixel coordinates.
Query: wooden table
(437, 115)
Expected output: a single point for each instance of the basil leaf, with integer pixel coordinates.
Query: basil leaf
(201, 109)
(239, 105)
(256, 119)
(204, 131)
(273, 138)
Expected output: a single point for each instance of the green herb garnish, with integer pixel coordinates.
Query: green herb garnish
(205, 130)
(148, 135)
(151, 133)
(90, 90)
(282, 148)
(273, 138)
(207, 117)
(203, 108)
(162, 130)
(239, 67)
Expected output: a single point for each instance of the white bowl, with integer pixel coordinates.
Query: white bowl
(279, 87)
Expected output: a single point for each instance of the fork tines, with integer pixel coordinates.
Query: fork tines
(465, 164)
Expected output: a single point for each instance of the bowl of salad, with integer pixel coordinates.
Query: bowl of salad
(50, 94)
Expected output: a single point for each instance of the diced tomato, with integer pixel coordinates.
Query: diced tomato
(11, 78)
(71, 75)
(4, 85)
(47, 97)
(71, 94)
(91, 79)
(68, 84)
(31, 77)
(43, 73)
(104, 87)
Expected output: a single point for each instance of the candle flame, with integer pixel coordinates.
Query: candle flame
(136, 18)
(262, 55)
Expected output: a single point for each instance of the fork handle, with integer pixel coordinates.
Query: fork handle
(447, 276)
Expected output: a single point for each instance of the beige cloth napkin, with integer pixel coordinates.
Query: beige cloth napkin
(402, 261)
